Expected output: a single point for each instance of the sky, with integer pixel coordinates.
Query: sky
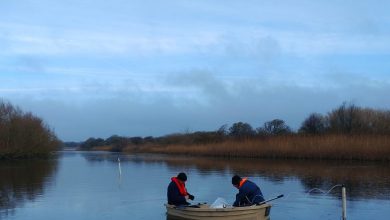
(96, 68)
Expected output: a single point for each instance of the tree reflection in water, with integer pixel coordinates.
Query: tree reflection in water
(364, 180)
(23, 181)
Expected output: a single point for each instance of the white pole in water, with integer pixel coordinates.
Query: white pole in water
(344, 198)
(119, 166)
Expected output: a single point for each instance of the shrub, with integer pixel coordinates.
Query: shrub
(23, 135)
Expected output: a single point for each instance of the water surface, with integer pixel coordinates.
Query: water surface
(88, 185)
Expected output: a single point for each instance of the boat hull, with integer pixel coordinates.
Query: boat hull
(203, 212)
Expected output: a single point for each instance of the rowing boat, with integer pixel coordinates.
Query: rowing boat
(204, 211)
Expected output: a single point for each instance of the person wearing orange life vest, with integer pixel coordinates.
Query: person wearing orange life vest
(177, 193)
(248, 192)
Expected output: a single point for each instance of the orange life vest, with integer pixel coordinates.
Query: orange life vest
(181, 186)
(242, 182)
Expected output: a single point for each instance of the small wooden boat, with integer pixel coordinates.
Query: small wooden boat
(203, 212)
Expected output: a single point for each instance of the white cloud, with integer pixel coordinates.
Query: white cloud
(41, 40)
(38, 40)
(183, 63)
(158, 113)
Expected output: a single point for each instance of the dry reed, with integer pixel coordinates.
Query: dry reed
(345, 147)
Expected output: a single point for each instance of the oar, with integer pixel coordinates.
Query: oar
(269, 200)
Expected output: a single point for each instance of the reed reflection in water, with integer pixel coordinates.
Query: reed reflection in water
(368, 184)
(22, 182)
(364, 180)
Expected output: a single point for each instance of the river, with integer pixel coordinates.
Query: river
(93, 185)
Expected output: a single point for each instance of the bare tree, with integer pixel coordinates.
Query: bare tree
(241, 129)
(314, 124)
(274, 127)
(23, 134)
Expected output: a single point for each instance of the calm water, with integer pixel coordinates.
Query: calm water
(81, 185)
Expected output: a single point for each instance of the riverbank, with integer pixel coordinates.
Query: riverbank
(335, 147)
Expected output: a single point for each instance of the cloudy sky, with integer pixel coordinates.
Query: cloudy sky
(94, 68)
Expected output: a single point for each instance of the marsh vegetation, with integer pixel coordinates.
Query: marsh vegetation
(347, 132)
(24, 135)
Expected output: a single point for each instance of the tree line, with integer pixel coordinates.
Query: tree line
(347, 119)
(23, 135)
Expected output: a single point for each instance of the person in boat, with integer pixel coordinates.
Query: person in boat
(248, 192)
(177, 192)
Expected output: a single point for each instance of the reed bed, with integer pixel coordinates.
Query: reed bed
(102, 148)
(343, 147)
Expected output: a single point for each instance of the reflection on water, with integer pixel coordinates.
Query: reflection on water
(364, 180)
(23, 181)
(88, 186)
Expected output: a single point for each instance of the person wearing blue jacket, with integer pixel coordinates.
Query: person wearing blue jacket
(248, 192)
(177, 193)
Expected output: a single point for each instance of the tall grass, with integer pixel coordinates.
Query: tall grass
(345, 147)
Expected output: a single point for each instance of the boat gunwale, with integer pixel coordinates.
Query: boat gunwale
(226, 209)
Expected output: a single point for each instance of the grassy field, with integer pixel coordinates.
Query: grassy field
(342, 147)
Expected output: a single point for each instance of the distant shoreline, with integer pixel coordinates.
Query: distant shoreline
(325, 147)
(348, 132)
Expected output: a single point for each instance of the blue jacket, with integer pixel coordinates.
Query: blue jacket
(248, 194)
(174, 196)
